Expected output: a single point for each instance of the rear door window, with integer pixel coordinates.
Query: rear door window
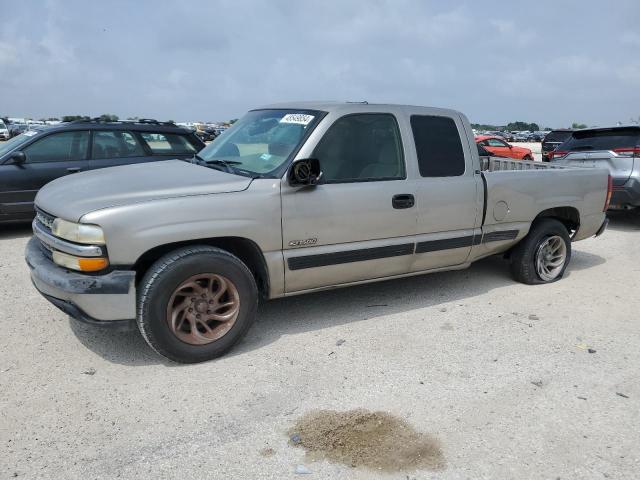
(438, 146)
(59, 147)
(168, 144)
(602, 140)
(115, 144)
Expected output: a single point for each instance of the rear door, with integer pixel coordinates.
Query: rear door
(449, 192)
(110, 148)
(358, 224)
(52, 156)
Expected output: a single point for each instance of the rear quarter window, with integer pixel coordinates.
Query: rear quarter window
(438, 146)
(168, 143)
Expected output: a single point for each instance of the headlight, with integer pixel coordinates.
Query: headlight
(82, 264)
(78, 232)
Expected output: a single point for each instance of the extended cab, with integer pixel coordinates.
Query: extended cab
(292, 199)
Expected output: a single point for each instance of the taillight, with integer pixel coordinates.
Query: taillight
(628, 152)
(609, 191)
(557, 153)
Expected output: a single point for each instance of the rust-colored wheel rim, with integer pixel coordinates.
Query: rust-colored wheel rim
(203, 308)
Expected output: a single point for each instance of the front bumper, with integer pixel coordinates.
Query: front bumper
(627, 195)
(107, 300)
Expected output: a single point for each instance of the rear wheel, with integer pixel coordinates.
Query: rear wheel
(543, 255)
(195, 303)
(528, 158)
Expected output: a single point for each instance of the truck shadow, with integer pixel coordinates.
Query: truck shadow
(624, 221)
(364, 302)
(316, 311)
(10, 231)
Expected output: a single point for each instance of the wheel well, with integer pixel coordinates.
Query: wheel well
(243, 248)
(568, 216)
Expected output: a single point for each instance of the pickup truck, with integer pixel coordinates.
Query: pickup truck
(292, 199)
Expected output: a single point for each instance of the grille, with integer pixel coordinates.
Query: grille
(44, 219)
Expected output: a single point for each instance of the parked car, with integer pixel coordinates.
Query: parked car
(501, 148)
(339, 195)
(552, 140)
(614, 148)
(207, 134)
(30, 160)
(535, 136)
(16, 129)
(507, 136)
(4, 131)
(521, 137)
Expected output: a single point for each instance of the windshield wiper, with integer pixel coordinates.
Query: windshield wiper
(198, 160)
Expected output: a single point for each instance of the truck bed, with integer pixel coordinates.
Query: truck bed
(514, 197)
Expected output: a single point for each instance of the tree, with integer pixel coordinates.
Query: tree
(520, 126)
(578, 125)
(71, 118)
(108, 117)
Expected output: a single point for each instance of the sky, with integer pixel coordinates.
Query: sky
(550, 62)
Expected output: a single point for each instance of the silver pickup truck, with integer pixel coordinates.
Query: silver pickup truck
(292, 199)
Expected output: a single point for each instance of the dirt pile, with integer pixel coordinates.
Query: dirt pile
(359, 438)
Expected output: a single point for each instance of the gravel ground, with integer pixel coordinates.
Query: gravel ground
(499, 373)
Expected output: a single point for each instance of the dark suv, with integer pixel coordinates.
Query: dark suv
(34, 158)
(551, 141)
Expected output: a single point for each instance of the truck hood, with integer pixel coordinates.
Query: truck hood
(76, 195)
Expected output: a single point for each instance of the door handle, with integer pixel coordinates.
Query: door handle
(73, 169)
(403, 200)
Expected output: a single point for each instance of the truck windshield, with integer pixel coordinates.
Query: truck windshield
(261, 141)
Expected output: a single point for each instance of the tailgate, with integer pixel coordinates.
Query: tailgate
(619, 166)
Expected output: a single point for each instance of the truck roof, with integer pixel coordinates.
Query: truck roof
(356, 107)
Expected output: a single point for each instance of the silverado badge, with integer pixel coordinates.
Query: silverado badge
(303, 243)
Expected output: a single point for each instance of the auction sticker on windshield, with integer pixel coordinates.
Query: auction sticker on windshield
(299, 118)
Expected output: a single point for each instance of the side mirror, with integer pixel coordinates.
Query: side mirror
(305, 172)
(17, 158)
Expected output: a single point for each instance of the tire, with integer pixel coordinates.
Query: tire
(162, 292)
(525, 254)
(527, 158)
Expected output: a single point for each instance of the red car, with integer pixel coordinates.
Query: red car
(500, 148)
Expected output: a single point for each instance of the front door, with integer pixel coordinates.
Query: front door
(50, 157)
(359, 222)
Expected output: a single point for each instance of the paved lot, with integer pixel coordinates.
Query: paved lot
(500, 373)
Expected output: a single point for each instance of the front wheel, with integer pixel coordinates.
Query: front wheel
(543, 255)
(528, 158)
(195, 303)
